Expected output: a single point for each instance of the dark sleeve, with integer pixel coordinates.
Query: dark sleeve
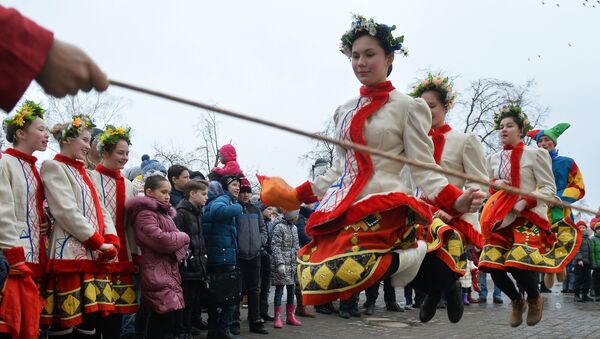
(24, 46)
(264, 234)
(303, 238)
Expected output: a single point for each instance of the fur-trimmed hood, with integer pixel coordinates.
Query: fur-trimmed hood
(136, 204)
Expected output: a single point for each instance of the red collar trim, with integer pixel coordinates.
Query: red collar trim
(69, 161)
(23, 156)
(445, 128)
(116, 174)
(519, 145)
(381, 88)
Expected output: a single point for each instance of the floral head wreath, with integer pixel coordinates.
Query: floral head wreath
(512, 110)
(112, 135)
(438, 83)
(380, 31)
(79, 123)
(28, 112)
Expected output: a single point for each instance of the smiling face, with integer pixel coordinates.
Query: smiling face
(77, 148)
(117, 157)
(369, 62)
(510, 133)
(546, 143)
(234, 188)
(437, 108)
(161, 193)
(33, 138)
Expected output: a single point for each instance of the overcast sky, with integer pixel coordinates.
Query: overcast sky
(279, 60)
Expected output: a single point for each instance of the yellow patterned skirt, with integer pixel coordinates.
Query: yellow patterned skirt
(69, 296)
(523, 245)
(448, 244)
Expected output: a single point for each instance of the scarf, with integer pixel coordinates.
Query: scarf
(439, 140)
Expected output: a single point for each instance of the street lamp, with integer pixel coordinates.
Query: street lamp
(321, 165)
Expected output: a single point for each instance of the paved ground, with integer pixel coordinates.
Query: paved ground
(563, 318)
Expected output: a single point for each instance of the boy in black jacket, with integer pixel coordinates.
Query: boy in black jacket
(189, 220)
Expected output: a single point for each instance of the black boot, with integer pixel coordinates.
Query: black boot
(393, 307)
(369, 308)
(258, 327)
(577, 296)
(585, 297)
(455, 306)
(235, 328)
(429, 307)
(266, 317)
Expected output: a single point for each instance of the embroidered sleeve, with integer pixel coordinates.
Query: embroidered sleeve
(575, 189)
(418, 146)
(8, 231)
(61, 200)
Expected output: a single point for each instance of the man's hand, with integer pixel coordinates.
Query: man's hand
(68, 69)
(519, 206)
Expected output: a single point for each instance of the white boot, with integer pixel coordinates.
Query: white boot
(409, 262)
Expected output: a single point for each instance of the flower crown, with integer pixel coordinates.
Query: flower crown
(79, 123)
(436, 83)
(512, 110)
(380, 31)
(28, 112)
(112, 135)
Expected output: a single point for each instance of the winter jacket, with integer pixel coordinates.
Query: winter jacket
(163, 247)
(176, 197)
(266, 250)
(595, 242)
(231, 166)
(220, 230)
(285, 247)
(303, 216)
(189, 220)
(585, 251)
(252, 232)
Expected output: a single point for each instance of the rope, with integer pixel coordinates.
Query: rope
(347, 145)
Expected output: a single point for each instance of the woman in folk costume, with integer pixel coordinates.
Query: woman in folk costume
(83, 242)
(516, 230)
(365, 226)
(22, 221)
(448, 235)
(568, 179)
(113, 190)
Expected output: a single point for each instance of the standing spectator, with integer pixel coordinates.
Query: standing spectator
(285, 248)
(305, 212)
(569, 283)
(178, 176)
(162, 246)
(220, 235)
(594, 225)
(265, 263)
(94, 157)
(583, 265)
(466, 282)
(193, 269)
(148, 168)
(484, 290)
(252, 236)
(389, 296)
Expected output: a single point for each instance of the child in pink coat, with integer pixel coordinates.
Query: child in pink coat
(228, 157)
(163, 247)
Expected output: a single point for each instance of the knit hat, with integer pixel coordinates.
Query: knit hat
(245, 186)
(151, 167)
(290, 215)
(132, 172)
(594, 223)
(581, 223)
(215, 189)
(227, 180)
(552, 133)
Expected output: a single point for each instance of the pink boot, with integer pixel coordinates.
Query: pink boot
(278, 323)
(290, 317)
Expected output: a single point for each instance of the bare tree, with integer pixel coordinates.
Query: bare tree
(172, 154)
(484, 97)
(322, 150)
(207, 129)
(102, 107)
